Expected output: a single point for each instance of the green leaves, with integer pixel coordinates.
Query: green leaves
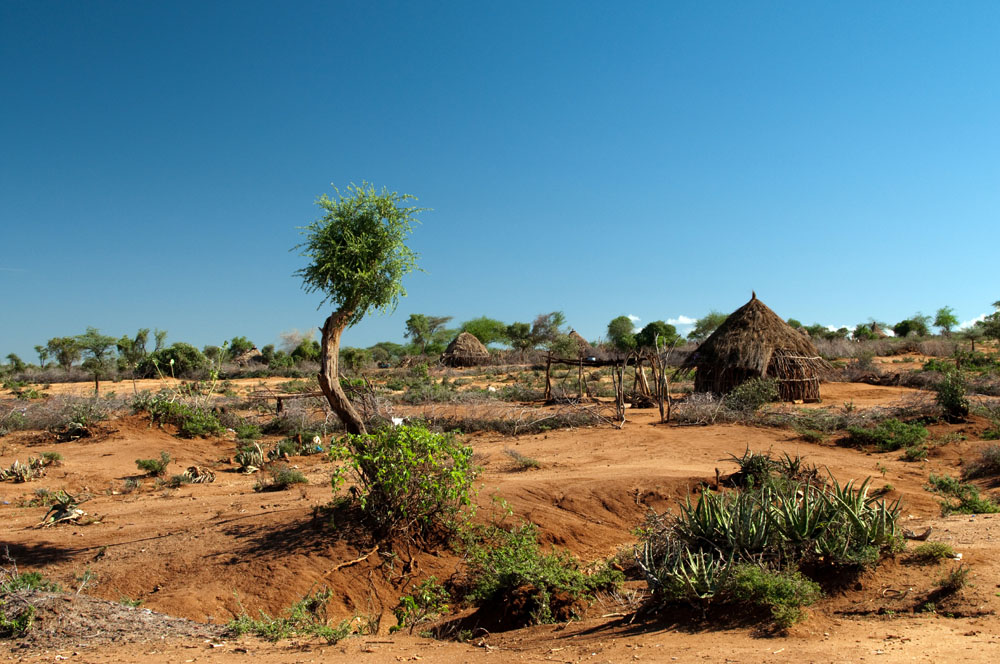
(357, 250)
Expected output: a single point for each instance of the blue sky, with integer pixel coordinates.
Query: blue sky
(654, 159)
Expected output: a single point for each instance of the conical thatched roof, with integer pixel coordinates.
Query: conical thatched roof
(753, 342)
(583, 346)
(465, 350)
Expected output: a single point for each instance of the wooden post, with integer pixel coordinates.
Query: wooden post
(548, 377)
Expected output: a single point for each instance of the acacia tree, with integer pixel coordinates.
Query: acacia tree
(945, 319)
(358, 258)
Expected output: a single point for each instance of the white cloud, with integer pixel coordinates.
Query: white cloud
(633, 318)
(969, 323)
(682, 320)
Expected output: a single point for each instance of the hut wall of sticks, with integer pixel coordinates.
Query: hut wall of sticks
(465, 350)
(754, 342)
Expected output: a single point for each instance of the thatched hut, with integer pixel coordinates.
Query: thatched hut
(583, 347)
(465, 350)
(755, 342)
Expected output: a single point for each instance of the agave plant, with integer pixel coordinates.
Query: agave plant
(250, 458)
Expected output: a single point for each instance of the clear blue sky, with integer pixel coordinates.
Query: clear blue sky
(657, 159)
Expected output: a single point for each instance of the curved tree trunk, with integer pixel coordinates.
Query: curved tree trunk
(329, 373)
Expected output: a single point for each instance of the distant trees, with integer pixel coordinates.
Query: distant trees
(945, 319)
(64, 350)
(487, 330)
(428, 332)
(657, 330)
(917, 325)
(99, 349)
(621, 334)
(704, 326)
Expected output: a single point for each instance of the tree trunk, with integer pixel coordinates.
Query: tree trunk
(329, 373)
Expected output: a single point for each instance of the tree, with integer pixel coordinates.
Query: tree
(547, 328)
(355, 359)
(100, 349)
(131, 352)
(519, 335)
(65, 351)
(358, 258)
(487, 330)
(240, 345)
(43, 355)
(863, 332)
(425, 330)
(160, 339)
(308, 350)
(17, 365)
(915, 325)
(704, 326)
(945, 319)
(794, 324)
(655, 333)
(621, 334)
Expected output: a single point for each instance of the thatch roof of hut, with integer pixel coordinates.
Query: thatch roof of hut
(465, 350)
(584, 348)
(755, 342)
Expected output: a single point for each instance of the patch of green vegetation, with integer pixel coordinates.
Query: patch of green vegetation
(154, 467)
(960, 497)
(281, 477)
(190, 421)
(886, 436)
(750, 396)
(502, 562)
(307, 617)
(428, 600)
(931, 552)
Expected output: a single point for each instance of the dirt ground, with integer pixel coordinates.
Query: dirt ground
(206, 552)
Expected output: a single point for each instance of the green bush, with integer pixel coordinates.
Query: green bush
(887, 436)
(784, 593)
(501, 562)
(154, 467)
(307, 617)
(428, 600)
(967, 496)
(247, 431)
(952, 395)
(931, 552)
(408, 480)
(191, 422)
(282, 477)
(752, 394)
(179, 360)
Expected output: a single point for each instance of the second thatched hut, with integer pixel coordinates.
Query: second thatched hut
(754, 342)
(465, 350)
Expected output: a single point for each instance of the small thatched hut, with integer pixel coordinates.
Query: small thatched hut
(755, 342)
(465, 350)
(583, 347)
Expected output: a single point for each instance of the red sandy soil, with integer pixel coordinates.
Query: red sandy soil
(201, 552)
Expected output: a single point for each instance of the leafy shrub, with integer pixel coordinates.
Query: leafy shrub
(967, 495)
(954, 580)
(190, 421)
(783, 592)
(755, 467)
(246, 431)
(154, 467)
(931, 552)
(410, 481)
(502, 562)
(752, 394)
(952, 396)
(428, 600)
(307, 617)
(179, 360)
(915, 453)
(521, 461)
(886, 436)
(282, 477)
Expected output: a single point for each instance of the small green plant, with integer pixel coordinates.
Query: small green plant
(282, 477)
(307, 617)
(782, 592)
(967, 495)
(246, 431)
(250, 458)
(522, 462)
(755, 467)
(51, 458)
(428, 600)
(954, 580)
(915, 453)
(931, 552)
(751, 395)
(154, 467)
(190, 421)
(887, 436)
(128, 601)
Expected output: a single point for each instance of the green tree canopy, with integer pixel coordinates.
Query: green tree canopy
(704, 326)
(519, 335)
(99, 349)
(425, 331)
(65, 351)
(487, 330)
(657, 332)
(915, 325)
(621, 333)
(945, 319)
